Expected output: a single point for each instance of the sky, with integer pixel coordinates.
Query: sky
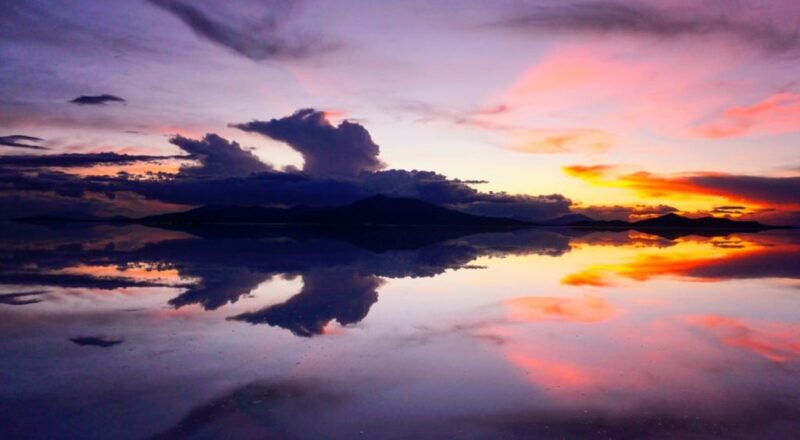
(531, 109)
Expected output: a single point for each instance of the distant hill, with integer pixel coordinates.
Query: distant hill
(397, 211)
(376, 210)
(213, 214)
(677, 221)
(674, 221)
(568, 219)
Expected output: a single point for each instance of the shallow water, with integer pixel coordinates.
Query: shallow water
(133, 332)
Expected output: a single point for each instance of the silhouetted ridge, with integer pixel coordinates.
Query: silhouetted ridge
(376, 210)
(568, 219)
(670, 225)
(677, 221)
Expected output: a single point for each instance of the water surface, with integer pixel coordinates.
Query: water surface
(133, 332)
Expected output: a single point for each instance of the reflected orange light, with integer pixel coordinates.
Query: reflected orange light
(687, 258)
(550, 374)
(139, 272)
(143, 168)
(694, 186)
(587, 309)
(775, 342)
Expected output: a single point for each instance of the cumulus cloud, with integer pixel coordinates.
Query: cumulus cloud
(605, 17)
(342, 166)
(218, 157)
(96, 99)
(21, 141)
(258, 37)
(328, 150)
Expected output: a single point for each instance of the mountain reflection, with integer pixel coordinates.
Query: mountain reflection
(343, 269)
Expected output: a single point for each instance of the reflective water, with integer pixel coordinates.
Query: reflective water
(132, 332)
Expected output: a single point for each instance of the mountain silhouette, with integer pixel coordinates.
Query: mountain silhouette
(677, 221)
(568, 219)
(673, 225)
(376, 210)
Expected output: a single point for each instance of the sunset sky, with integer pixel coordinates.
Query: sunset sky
(532, 109)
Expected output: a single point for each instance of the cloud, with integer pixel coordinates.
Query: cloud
(561, 141)
(759, 190)
(517, 136)
(775, 114)
(236, 187)
(328, 150)
(729, 209)
(218, 157)
(607, 17)
(71, 160)
(96, 99)
(259, 37)
(21, 141)
(342, 166)
(588, 172)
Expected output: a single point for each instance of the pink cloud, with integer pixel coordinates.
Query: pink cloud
(621, 88)
(777, 113)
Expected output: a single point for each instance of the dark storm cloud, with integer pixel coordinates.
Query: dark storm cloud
(341, 167)
(218, 157)
(778, 190)
(438, 189)
(346, 150)
(233, 178)
(96, 99)
(629, 18)
(262, 38)
(729, 209)
(71, 160)
(21, 141)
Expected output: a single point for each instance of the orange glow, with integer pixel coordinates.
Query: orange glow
(589, 173)
(138, 272)
(142, 168)
(681, 187)
(686, 259)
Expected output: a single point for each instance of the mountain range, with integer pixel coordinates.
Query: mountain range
(381, 210)
(376, 210)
